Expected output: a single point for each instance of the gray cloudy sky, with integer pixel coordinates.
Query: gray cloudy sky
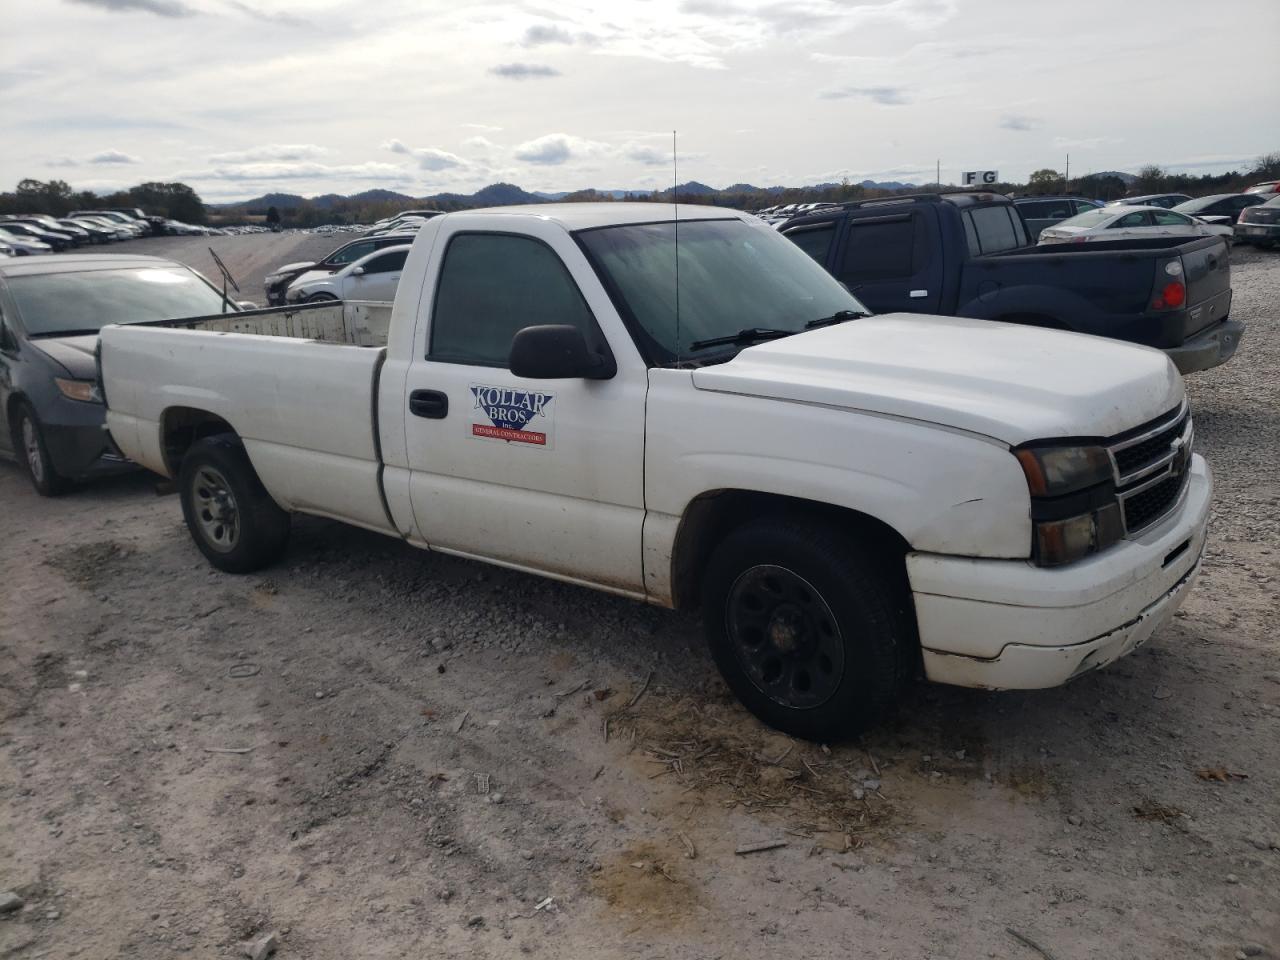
(238, 97)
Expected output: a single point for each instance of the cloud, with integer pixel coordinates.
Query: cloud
(557, 148)
(550, 150)
(543, 33)
(63, 162)
(372, 171)
(649, 156)
(284, 19)
(523, 71)
(112, 156)
(271, 152)
(885, 96)
(1018, 122)
(161, 8)
(486, 127)
(429, 158)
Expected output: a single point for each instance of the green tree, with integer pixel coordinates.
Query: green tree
(273, 216)
(1045, 179)
(1151, 179)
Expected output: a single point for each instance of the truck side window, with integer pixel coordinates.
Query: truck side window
(815, 240)
(881, 250)
(493, 285)
(995, 228)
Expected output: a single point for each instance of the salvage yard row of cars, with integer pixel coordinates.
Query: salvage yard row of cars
(868, 442)
(27, 234)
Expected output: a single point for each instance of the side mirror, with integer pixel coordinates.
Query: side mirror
(358, 272)
(557, 351)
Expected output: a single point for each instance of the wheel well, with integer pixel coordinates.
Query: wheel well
(11, 410)
(180, 427)
(712, 516)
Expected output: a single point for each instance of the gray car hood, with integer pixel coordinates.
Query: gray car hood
(75, 354)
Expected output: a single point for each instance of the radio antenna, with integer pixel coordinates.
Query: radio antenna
(675, 227)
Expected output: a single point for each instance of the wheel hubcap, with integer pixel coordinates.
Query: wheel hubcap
(215, 509)
(31, 444)
(785, 637)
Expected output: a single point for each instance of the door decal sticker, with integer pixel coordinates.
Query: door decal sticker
(513, 416)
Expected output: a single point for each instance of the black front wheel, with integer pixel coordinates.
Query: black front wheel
(231, 516)
(810, 631)
(29, 442)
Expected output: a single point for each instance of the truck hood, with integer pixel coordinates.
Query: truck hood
(1001, 380)
(75, 354)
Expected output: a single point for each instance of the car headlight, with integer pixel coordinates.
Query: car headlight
(86, 391)
(1074, 511)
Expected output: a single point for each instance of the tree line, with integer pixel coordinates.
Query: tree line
(180, 202)
(56, 198)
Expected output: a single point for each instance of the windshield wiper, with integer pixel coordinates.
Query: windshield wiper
(840, 316)
(743, 337)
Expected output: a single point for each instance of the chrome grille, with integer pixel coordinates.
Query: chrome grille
(1151, 467)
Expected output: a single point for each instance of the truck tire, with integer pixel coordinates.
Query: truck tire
(809, 631)
(319, 298)
(28, 442)
(232, 518)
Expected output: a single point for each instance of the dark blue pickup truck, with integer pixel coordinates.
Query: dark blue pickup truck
(969, 255)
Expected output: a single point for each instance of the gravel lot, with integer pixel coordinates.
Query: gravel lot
(381, 753)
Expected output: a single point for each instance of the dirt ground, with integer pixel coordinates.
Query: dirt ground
(377, 752)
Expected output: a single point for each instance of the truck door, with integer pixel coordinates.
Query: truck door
(890, 263)
(541, 474)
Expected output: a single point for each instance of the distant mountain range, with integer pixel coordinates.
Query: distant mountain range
(504, 194)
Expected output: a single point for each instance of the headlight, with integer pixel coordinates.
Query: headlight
(1074, 511)
(85, 391)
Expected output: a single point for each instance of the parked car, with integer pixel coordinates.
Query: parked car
(73, 238)
(277, 282)
(374, 276)
(1040, 212)
(75, 231)
(117, 230)
(135, 228)
(6, 251)
(1260, 225)
(968, 254)
(1270, 186)
(92, 231)
(58, 241)
(1125, 223)
(1165, 200)
(21, 244)
(850, 500)
(1220, 208)
(51, 309)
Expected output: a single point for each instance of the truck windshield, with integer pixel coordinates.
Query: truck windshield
(733, 277)
(54, 304)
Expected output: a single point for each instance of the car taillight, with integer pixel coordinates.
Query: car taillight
(1171, 296)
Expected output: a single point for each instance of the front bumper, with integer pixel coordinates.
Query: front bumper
(1005, 624)
(1209, 348)
(76, 437)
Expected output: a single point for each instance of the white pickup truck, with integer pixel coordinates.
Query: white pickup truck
(850, 500)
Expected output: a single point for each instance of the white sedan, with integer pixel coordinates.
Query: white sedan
(372, 277)
(1127, 223)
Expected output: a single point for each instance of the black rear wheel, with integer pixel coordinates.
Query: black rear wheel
(230, 515)
(810, 630)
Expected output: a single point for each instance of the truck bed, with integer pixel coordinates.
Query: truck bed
(300, 393)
